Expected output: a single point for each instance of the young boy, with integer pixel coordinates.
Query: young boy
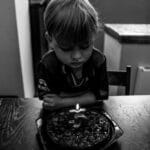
(72, 71)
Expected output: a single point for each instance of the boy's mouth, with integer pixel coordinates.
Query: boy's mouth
(76, 64)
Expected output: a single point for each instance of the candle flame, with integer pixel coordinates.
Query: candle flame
(77, 106)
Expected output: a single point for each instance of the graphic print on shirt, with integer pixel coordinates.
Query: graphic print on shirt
(43, 86)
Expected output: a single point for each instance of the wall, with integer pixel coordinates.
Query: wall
(10, 68)
(23, 26)
(113, 52)
(15, 52)
(124, 11)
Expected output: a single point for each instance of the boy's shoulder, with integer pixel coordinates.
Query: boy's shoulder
(98, 57)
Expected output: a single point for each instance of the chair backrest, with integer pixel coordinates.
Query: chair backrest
(120, 78)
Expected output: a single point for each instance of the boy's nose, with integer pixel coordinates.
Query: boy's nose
(76, 54)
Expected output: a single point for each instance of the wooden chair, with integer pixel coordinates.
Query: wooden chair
(120, 78)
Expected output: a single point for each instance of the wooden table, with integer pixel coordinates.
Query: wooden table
(18, 130)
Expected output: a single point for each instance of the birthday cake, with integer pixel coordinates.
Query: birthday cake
(78, 130)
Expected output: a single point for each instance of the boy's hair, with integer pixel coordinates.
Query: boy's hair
(73, 21)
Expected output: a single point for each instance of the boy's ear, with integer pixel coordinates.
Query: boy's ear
(48, 37)
(49, 41)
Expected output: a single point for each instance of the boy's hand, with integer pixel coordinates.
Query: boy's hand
(51, 101)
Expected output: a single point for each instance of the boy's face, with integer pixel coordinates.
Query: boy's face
(72, 55)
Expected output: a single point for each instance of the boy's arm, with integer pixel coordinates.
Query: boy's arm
(45, 82)
(53, 101)
(86, 98)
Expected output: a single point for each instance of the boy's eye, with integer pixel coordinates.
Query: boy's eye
(85, 46)
(65, 49)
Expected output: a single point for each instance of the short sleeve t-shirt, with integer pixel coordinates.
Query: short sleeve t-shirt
(55, 77)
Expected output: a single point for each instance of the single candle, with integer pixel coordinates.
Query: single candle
(77, 106)
(77, 109)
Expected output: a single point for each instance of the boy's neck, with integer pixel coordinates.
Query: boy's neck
(75, 70)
